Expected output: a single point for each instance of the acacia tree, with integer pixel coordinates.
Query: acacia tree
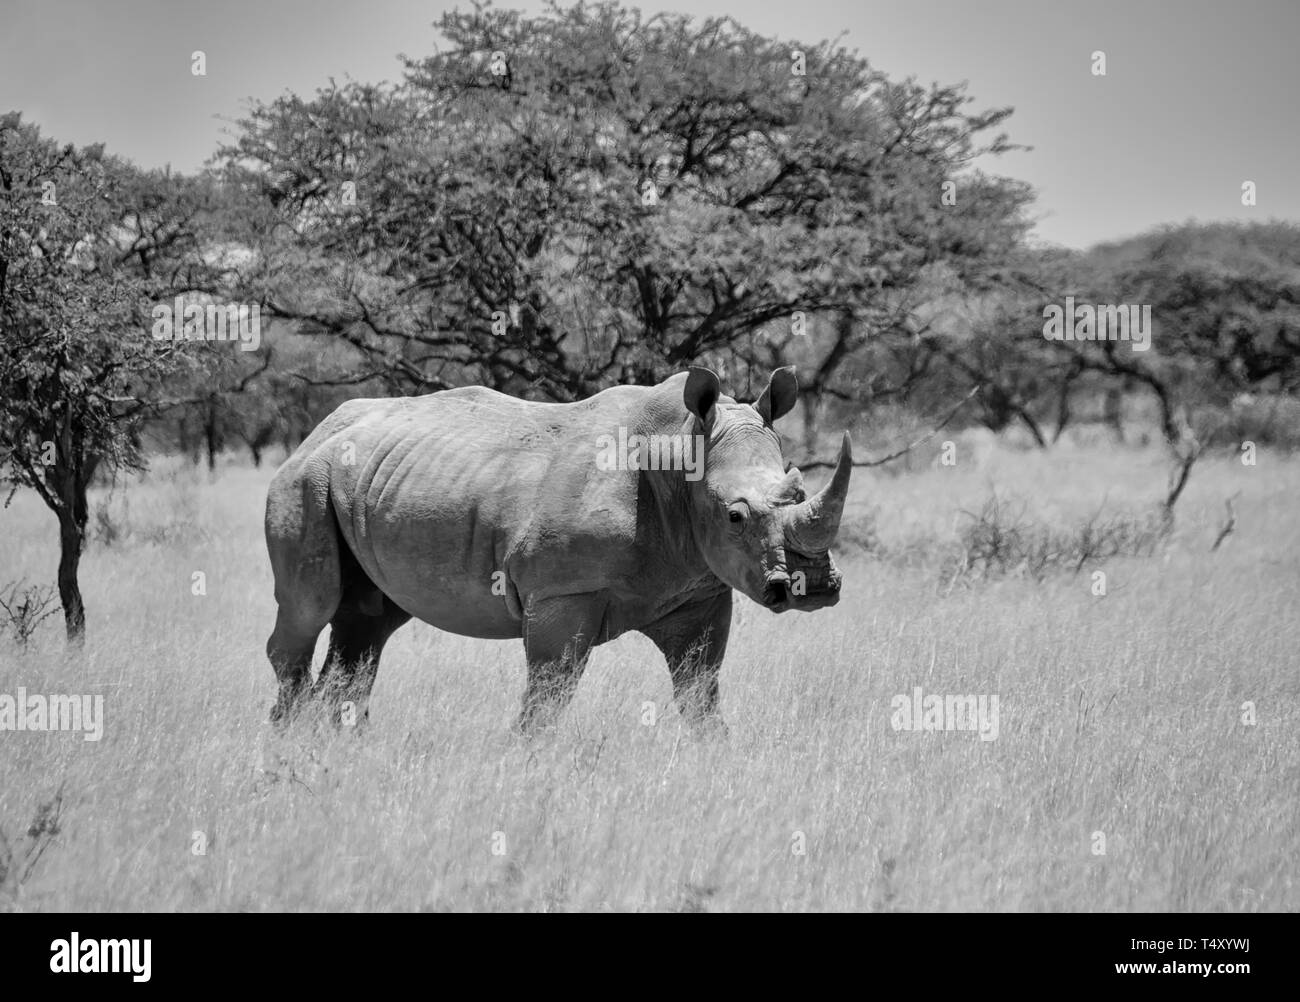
(1225, 305)
(589, 196)
(80, 250)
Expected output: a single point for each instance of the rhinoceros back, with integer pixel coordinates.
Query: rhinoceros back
(457, 503)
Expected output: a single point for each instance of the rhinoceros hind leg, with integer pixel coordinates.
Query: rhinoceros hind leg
(358, 633)
(290, 654)
(302, 541)
(693, 640)
(559, 634)
(290, 649)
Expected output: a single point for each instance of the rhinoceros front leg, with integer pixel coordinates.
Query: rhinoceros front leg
(559, 634)
(693, 639)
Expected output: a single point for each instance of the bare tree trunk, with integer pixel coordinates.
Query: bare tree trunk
(1028, 420)
(72, 538)
(73, 470)
(1133, 371)
(809, 424)
(1113, 412)
(211, 435)
(185, 439)
(1063, 412)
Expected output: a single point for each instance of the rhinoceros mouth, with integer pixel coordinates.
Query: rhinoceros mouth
(807, 583)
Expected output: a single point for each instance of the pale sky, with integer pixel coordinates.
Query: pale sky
(1199, 96)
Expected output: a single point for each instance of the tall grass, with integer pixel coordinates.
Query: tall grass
(1121, 716)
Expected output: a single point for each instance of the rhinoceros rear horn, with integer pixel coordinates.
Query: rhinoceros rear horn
(813, 525)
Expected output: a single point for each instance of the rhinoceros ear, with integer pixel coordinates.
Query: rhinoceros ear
(778, 395)
(702, 392)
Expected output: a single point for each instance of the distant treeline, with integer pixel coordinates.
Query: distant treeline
(1222, 359)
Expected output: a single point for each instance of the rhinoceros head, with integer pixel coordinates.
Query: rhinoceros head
(758, 530)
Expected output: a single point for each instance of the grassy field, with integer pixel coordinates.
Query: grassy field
(1120, 714)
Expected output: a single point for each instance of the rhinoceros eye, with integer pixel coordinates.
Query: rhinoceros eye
(736, 514)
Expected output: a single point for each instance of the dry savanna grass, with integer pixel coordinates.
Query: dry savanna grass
(1125, 774)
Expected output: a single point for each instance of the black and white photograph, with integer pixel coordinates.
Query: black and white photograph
(766, 457)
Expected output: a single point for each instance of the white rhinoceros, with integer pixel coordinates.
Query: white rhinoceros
(565, 525)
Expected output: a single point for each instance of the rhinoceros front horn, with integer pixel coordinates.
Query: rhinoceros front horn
(813, 525)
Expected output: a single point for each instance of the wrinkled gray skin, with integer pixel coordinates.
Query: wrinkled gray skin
(406, 507)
